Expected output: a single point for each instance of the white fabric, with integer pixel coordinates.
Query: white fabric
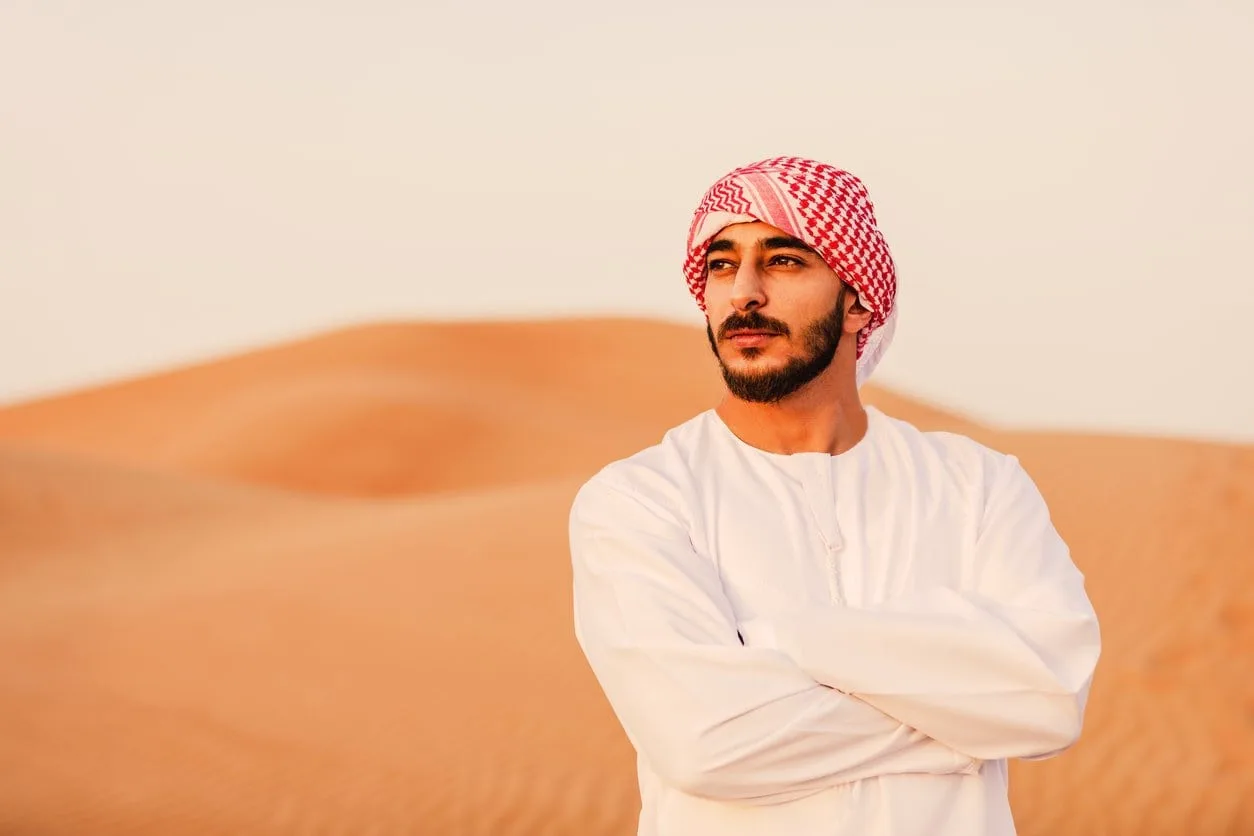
(876, 344)
(911, 620)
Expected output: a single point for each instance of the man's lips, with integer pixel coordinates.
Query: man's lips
(749, 337)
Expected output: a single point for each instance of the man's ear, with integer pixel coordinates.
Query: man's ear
(857, 317)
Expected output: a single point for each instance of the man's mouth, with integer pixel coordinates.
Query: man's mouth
(748, 337)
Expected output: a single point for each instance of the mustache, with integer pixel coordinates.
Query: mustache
(752, 321)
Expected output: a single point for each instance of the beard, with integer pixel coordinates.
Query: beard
(819, 341)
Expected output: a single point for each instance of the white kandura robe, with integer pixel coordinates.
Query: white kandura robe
(910, 621)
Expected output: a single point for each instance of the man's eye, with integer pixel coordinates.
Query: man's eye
(718, 264)
(787, 260)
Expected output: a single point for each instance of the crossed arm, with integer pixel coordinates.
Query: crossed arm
(1000, 672)
(933, 683)
(711, 716)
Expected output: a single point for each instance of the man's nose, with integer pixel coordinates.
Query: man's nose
(748, 290)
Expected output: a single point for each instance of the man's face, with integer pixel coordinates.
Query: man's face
(776, 311)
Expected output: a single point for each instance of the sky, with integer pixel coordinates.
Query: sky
(1067, 188)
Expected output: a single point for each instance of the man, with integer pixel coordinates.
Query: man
(810, 618)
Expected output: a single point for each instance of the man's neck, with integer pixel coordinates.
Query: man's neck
(806, 422)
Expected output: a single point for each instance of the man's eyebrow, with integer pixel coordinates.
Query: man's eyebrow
(776, 242)
(786, 242)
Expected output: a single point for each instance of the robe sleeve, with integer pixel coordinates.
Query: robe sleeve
(1000, 671)
(711, 716)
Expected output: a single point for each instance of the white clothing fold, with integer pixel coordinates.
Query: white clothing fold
(844, 645)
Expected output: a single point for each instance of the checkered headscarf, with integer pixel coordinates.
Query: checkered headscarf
(827, 208)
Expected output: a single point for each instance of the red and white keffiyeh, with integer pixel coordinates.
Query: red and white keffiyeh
(824, 206)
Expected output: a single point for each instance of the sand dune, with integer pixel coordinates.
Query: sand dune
(324, 588)
(372, 411)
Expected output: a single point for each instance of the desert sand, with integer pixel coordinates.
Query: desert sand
(323, 588)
